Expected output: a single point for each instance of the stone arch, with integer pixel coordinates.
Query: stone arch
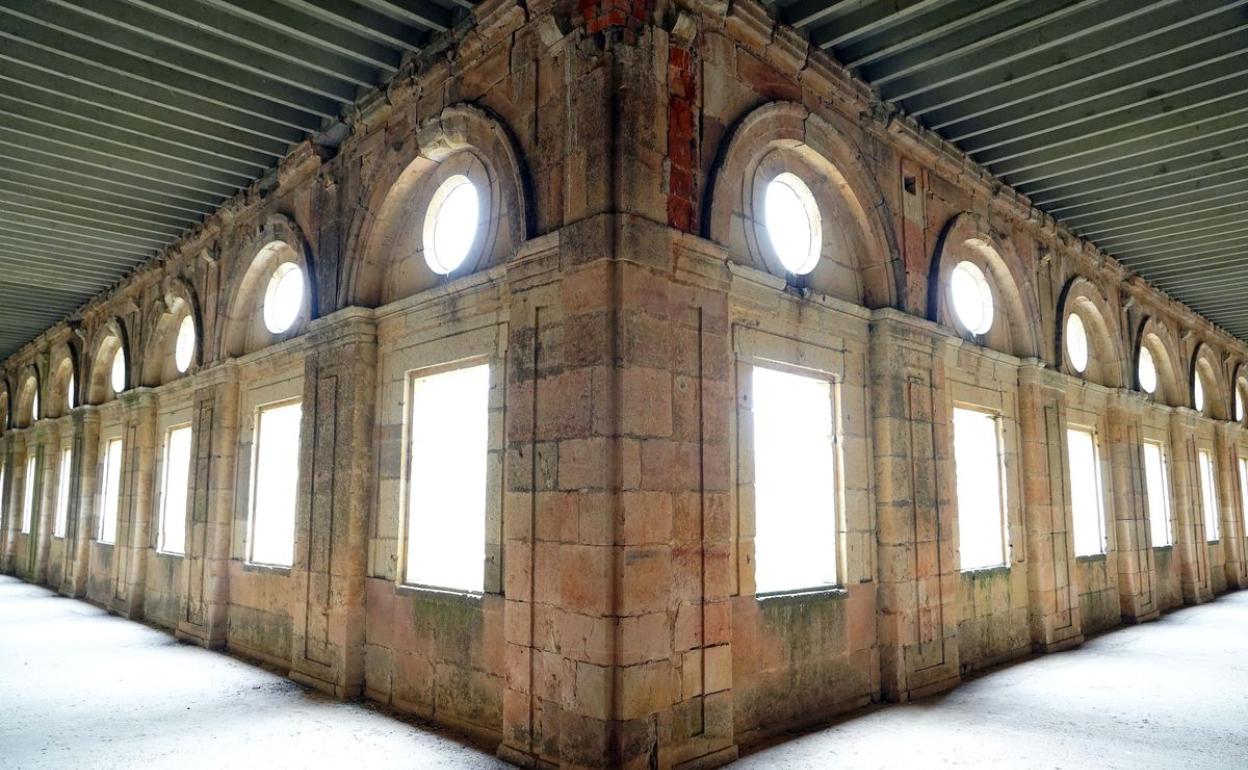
(5, 410)
(1205, 365)
(384, 245)
(1161, 345)
(28, 390)
(109, 339)
(1016, 323)
(1106, 359)
(1239, 392)
(64, 375)
(177, 301)
(859, 259)
(277, 241)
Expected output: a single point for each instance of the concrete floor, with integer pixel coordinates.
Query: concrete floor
(1167, 694)
(80, 688)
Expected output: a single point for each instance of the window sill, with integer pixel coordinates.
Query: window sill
(1214, 542)
(271, 569)
(58, 537)
(171, 554)
(984, 572)
(1090, 558)
(456, 595)
(104, 543)
(795, 596)
(1164, 547)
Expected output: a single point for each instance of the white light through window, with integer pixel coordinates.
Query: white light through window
(1243, 482)
(283, 299)
(34, 406)
(1085, 493)
(1198, 393)
(1158, 488)
(184, 345)
(451, 224)
(793, 223)
(972, 297)
(117, 377)
(447, 480)
(1076, 342)
(1239, 405)
(981, 509)
(110, 492)
(28, 496)
(69, 393)
(794, 498)
(1147, 371)
(275, 485)
(1209, 496)
(4, 498)
(173, 491)
(62, 494)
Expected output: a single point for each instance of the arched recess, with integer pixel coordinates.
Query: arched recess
(177, 302)
(1157, 338)
(64, 376)
(1016, 314)
(28, 406)
(1205, 365)
(110, 339)
(385, 246)
(279, 241)
(5, 401)
(1106, 361)
(1239, 394)
(859, 259)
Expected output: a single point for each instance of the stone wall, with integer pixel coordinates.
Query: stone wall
(621, 287)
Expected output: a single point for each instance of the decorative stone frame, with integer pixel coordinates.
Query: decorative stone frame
(277, 242)
(386, 247)
(31, 384)
(66, 366)
(1105, 355)
(1205, 366)
(110, 338)
(1016, 318)
(177, 301)
(1161, 345)
(1240, 387)
(860, 260)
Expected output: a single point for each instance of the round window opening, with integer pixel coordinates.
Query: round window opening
(1076, 342)
(451, 224)
(1239, 405)
(283, 299)
(184, 345)
(34, 405)
(118, 374)
(1147, 371)
(793, 223)
(972, 297)
(69, 393)
(1198, 393)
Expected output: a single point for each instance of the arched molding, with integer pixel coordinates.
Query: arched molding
(64, 370)
(1205, 364)
(110, 337)
(6, 401)
(384, 256)
(1016, 319)
(1162, 346)
(1107, 362)
(177, 301)
(1239, 386)
(859, 258)
(30, 384)
(277, 241)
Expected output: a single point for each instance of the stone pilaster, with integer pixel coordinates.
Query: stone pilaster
(135, 509)
(1052, 578)
(13, 506)
(335, 496)
(1190, 542)
(47, 436)
(1229, 500)
(918, 621)
(1137, 572)
(81, 522)
(7, 517)
(214, 441)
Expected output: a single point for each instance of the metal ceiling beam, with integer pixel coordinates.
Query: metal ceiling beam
(1189, 245)
(1172, 191)
(941, 21)
(69, 202)
(1163, 221)
(1208, 226)
(384, 29)
(854, 25)
(1145, 176)
(70, 180)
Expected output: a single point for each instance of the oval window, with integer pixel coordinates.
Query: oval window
(118, 374)
(793, 223)
(971, 297)
(1198, 393)
(69, 393)
(1076, 342)
(1239, 405)
(1147, 371)
(34, 405)
(184, 345)
(283, 299)
(451, 224)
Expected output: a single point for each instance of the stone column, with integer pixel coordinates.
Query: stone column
(6, 503)
(214, 444)
(13, 507)
(80, 526)
(1137, 573)
(49, 439)
(918, 622)
(1190, 542)
(1229, 500)
(135, 509)
(335, 497)
(1052, 579)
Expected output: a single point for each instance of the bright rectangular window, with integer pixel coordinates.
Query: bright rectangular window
(28, 496)
(1208, 495)
(1157, 486)
(275, 485)
(1085, 493)
(62, 494)
(981, 504)
(174, 489)
(794, 491)
(110, 492)
(447, 479)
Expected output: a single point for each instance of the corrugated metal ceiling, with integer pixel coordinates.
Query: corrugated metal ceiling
(1127, 120)
(123, 122)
